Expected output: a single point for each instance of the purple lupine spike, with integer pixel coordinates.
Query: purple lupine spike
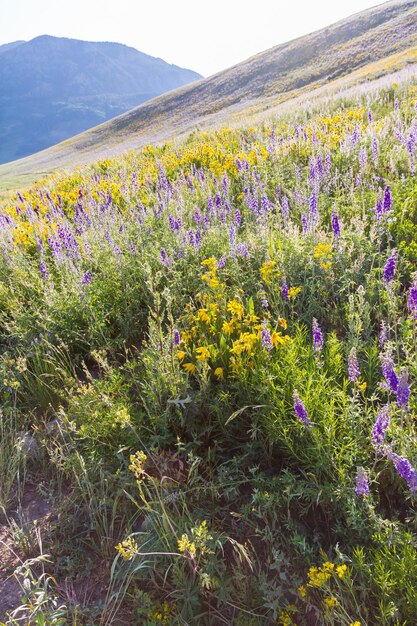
(389, 269)
(243, 250)
(176, 337)
(383, 336)
(172, 223)
(389, 373)
(412, 299)
(264, 300)
(284, 290)
(353, 366)
(232, 235)
(285, 208)
(237, 218)
(387, 199)
(405, 470)
(396, 104)
(317, 338)
(403, 390)
(221, 262)
(362, 484)
(370, 116)
(197, 216)
(300, 410)
(381, 426)
(313, 208)
(375, 150)
(378, 208)
(335, 224)
(266, 336)
(363, 157)
(43, 271)
(304, 224)
(87, 278)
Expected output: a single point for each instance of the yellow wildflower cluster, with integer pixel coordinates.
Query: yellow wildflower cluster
(268, 270)
(197, 543)
(324, 253)
(136, 464)
(127, 549)
(223, 336)
(162, 614)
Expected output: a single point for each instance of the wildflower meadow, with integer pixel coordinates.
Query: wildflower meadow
(212, 344)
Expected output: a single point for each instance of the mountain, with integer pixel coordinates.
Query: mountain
(52, 88)
(368, 44)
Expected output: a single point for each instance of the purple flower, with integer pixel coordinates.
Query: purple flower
(383, 338)
(266, 337)
(242, 250)
(362, 485)
(389, 269)
(387, 199)
(403, 390)
(285, 206)
(238, 218)
(176, 337)
(43, 271)
(300, 410)
(405, 470)
(353, 366)
(335, 224)
(221, 262)
(381, 426)
(264, 300)
(375, 150)
(87, 278)
(317, 338)
(389, 372)
(412, 299)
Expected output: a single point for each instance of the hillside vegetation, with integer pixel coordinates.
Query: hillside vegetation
(261, 82)
(209, 370)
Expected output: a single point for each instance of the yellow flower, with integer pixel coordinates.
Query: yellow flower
(328, 565)
(190, 368)
(203, 354)
(185, 545)
(293, 292)
(180, 355)
(203, 316)
(323, 250)
(127, 549)
(136, 464)
(283, 323)
(219, 373)
(211, 262)
(330, 603)
(362, 386)
(228, 327)
(236, 309)
(278, 340)
(302, 591)
(267, 269)
(355, 624)
(341, 570)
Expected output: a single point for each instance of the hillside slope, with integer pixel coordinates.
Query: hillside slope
(53, 88)
(262, 81)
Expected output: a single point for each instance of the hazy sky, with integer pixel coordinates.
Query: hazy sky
(206, 37)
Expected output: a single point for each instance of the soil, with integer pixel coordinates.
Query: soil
(32, 511)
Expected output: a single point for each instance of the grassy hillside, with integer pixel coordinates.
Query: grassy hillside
(209, 370)
(262, 81)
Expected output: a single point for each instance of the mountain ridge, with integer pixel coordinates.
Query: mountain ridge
(55, 87)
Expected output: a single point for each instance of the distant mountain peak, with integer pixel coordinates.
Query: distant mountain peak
(54, 87)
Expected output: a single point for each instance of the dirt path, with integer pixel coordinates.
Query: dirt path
(15, 540)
